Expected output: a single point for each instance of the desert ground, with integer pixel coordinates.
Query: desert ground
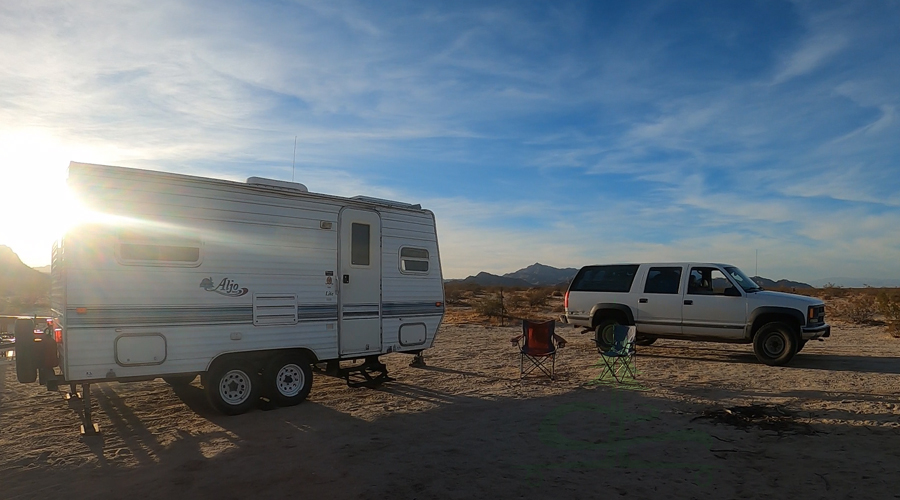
(701, 421)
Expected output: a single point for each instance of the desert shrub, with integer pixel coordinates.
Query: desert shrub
(490, 306)
(453, 295)
(857, 308)
(537, 297)
(889, 305)
(513, 300)
(830, 290)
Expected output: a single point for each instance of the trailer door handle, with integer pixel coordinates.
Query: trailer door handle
(346, 278)
(688, 302)
(642, 301)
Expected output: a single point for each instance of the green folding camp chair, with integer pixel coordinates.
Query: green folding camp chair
(619, 359)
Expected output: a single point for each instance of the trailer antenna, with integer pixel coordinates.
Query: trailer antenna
(294, 158)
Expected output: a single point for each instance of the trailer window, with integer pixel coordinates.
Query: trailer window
(139, 249)
(413, 260)
(359, 244)
(162, 253)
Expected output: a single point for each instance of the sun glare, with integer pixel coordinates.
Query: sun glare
(36, 205)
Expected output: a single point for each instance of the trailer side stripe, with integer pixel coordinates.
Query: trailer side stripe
(406, 309)
(136, 316)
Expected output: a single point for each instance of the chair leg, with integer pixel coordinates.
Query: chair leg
(538, 363)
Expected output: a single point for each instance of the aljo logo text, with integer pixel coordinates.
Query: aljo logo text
(227, 287)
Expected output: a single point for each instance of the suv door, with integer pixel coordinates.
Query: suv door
(659, 304)
(714, 306)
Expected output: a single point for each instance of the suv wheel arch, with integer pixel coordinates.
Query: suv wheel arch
(603, 311)
(767, 314)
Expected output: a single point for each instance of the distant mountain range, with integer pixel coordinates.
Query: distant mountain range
(858, 282)
(534, 275)
(21, 287)
(783, 284)
(540, 275)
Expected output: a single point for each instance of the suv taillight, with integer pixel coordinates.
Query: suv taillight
(566, 301)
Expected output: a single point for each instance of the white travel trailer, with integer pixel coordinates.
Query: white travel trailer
(246, 284)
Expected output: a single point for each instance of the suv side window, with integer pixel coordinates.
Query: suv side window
(615, 278)
(707, 281)
(663, 280)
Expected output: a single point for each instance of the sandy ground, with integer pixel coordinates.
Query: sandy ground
(827, 426)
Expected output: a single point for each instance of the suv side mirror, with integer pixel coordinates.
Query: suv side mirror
(732, 292)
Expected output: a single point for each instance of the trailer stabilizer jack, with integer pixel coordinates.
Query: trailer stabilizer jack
(88, 428)
(371, 373)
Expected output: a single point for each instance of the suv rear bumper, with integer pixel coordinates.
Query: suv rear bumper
(809, 333)
(575, 320)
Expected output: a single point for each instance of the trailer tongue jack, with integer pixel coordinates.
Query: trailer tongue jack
(88, 427)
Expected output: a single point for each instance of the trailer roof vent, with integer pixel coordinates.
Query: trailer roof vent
(272, 183)
(389, 203)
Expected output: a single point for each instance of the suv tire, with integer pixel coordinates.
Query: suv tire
(605, 336)
(775, 343)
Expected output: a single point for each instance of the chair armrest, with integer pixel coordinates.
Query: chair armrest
(515, 340)
(560, 342)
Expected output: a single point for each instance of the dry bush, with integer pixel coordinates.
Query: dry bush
(888, 304)
(538, 297)
(832, 291)
(453, 295)
(513, 301)
(490, 306)
(857, 308)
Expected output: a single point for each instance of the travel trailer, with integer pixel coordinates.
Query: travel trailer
(248, 285)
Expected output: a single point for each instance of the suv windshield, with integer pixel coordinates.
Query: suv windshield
(746, 283)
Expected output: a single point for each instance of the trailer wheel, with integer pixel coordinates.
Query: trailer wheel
(233, 387)
(288, 379)
(26, 367)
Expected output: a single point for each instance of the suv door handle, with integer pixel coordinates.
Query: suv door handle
(642, 301)
(688, 302)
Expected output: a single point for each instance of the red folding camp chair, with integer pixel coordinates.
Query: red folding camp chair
(539, 344)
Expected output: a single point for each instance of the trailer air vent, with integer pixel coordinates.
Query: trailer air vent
(274, 309)
(389, 203)
(272, 183)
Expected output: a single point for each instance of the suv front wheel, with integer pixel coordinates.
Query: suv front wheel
(775, 343)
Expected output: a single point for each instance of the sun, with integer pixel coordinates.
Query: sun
(34, 202)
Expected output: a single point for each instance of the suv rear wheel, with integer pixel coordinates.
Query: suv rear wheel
(605, 334)
(775, 343)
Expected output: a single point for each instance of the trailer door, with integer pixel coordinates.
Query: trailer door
(360, 281)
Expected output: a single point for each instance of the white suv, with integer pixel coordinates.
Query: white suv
(693, 301)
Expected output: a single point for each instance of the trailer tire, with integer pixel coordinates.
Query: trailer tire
(233, 386)
(26, 367)
(288, 379)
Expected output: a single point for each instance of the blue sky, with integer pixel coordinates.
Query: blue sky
(566, 133)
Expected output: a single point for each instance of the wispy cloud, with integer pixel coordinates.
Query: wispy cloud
(560, 132)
